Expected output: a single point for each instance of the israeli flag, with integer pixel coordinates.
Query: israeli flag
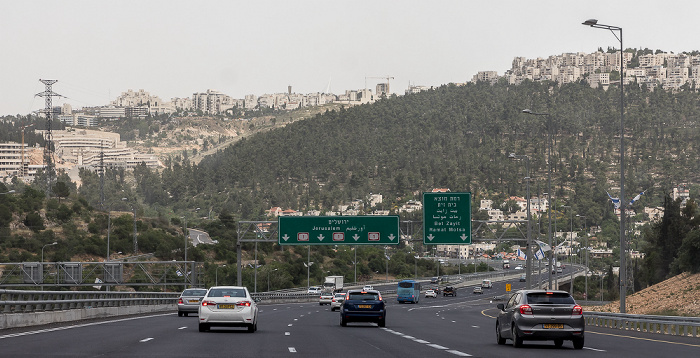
(539, 254)
(636, 198)
(178, 273)
(543, 246)
(522, 254)
(616, 201)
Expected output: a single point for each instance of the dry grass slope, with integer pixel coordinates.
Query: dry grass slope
(677, 296)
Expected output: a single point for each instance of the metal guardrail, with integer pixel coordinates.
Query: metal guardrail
(24, 301)
(673, 325)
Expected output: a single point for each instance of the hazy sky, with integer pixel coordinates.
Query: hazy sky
(173, 48)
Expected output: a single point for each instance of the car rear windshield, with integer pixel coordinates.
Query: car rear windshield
(359, 296)
(406, 284)
(227, 292)
(550, 298)
(194, 292)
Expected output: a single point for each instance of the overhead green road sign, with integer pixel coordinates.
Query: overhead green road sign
(338, 230)
(447, 218)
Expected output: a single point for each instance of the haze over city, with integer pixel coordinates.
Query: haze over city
(176, 48)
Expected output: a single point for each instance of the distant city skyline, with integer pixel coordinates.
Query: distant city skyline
(96, 51)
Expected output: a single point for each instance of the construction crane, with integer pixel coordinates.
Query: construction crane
(387, 78)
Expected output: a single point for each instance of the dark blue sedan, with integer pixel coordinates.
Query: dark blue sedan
(363, 306)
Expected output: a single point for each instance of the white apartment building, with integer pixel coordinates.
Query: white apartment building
(11, 159)
(599, 79)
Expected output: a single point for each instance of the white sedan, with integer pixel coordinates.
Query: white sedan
(228, 306)
(431, 293)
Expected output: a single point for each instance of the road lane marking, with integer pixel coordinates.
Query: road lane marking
(286, 333)
(145, 339)
(289, 325)
(475, 326)
(593, 349)
(644, 339)
(458, 353)
(77, 326)
(421, 341)
(436, 346)
(292, 350)
(183, 327)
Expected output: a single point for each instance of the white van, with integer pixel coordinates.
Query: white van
(486, 284)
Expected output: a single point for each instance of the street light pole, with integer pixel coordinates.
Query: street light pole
(216, 283)
(42, 250)
(549, 188)
(528, 270)
(585, 226)
(623, 249)
(268, 279)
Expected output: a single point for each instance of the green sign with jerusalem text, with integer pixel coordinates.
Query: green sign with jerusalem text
(338, 230)
(447, 218)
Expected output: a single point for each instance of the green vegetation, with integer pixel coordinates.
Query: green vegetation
(455, 137)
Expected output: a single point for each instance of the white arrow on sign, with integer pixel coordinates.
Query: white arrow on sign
(320, 237)
(392, 237)
(285, 237)
(431, 237)
(356, 237)
(464, 237)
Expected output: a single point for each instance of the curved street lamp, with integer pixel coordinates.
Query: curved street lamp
(42, 249)
(623, 249)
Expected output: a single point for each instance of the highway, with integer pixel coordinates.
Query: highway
(461, 326)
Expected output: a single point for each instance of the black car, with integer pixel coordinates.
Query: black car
(540, 315)
(449, 291)
(363, 306)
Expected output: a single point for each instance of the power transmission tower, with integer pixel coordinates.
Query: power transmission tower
(102, 175)
(48, 138)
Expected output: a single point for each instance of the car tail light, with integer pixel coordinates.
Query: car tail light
(243, 303)
(179, 301)
(333, 300)
(525, 309)
(577, 311)
(208, 303)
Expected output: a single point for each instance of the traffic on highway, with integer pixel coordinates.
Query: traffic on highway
(460, 325)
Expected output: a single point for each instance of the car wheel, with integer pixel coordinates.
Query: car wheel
(251, 328)
(179, 314)
(517, 340)
(203, 327)
(343, 322)
(558, 343)
(186, 314)
(500, 340)
(320, 304)
(578, 343)
(382, 323)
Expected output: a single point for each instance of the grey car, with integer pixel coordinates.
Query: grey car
(189, 301)
(540, 315)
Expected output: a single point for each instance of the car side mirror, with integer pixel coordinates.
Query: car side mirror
(501, 307)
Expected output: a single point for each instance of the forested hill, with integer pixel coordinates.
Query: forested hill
(459, 137)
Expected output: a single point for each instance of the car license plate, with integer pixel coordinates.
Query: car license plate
(194, 301)
(552, 325)
(225, 307)
(365, 306)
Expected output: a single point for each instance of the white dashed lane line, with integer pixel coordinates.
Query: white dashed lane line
(145, 340)
(433, 345)
(183, 327)
(292, 350)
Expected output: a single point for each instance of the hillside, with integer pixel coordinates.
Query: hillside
(677, 296)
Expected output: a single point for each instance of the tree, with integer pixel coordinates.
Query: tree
(61, 190)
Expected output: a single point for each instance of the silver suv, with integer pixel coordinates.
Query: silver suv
(540, 315)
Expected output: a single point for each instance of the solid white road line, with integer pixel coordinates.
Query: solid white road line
(436, 346)
(458, 353)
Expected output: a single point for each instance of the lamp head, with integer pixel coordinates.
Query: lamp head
(590, 22)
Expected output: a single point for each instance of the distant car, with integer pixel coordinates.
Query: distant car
(431, 293)
(523, 278)
(326, 298)
(486, 284)
(539, 315)
(316, 290)
(189, 301)
(434, 280)
(363, 306)
(228, 306)
(337, 301)
(449, 291)
(478, 289)
(367, 288)
(559, 270)
(519, 267)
